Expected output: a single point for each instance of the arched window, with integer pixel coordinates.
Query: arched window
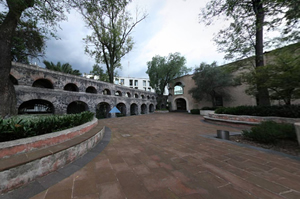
(36, 106)
(77, 107)
(91, 89)
(71, 87)
(178, 88)
(106, 92)
(128, 94)
(136, 96)
(42, 83)
(118, 93)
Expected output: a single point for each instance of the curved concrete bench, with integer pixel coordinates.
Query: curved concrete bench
(29, 164)
(248, 120)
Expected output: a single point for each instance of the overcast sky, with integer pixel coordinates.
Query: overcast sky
(171, 26)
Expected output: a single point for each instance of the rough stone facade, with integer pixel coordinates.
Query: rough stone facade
(36, 83)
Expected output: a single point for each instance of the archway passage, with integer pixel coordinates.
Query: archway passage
(36, 106)
(143, 109)
(71, 87)
(134, 109)
(151, 108)
(106, 92)
(181, 104)
(91, 89)
(42, 83)
(77, 107)
(122, 108)
(102, 110)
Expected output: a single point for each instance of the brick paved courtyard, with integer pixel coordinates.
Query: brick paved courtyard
(166, 155)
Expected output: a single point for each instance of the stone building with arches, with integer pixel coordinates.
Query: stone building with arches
(39, 90)
(181, 100)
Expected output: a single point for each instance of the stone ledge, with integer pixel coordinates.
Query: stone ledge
(38, 142)
(20, 169)
(248, 120)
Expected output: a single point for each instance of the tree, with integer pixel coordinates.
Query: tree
(98, 70)
(49, 12)
(245, 34)
(281, 76)
(211, 82)
(28, 41)
(162, 70)
(111, 25)
(64, 68)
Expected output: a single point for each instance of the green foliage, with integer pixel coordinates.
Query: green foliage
(211, 81)
(112, 26)
(28, 41)
(270, 132)
(195, 111)
(291, 111)
(16, 128)
(98, 70)
(208, 108)
(162, 70)
(64, 68)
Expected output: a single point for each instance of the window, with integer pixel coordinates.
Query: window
(130, 82)
(149, 89)
(122, 82)
(116, 81)
(144, 83)
(178, 89)
(135, 82)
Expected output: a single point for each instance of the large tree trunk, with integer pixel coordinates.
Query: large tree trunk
(263, 94)
(7, 29)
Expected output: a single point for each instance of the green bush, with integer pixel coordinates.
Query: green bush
(17, 128)
(208, 108)
(292, 111)
(270, 132)
(195, 111)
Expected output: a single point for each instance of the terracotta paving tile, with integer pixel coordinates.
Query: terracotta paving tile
(141, 169)
(62, 194)
(132, 160)
(105, 176)
(84, 187)
(90, 196)
(164, 193)
(292, 195)
(41, 195)
(121, 167)
(111, 191)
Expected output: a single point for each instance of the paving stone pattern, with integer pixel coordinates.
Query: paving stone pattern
(164, 156)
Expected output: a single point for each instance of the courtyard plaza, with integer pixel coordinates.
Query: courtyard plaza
(176, 155)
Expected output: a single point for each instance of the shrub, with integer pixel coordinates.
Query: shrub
(195, 111)
(292, 111)
(208, 108)
(17, 128)
(270, 132)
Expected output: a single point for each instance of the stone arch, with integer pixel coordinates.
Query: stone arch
(91, 89)
(106, 92)
(128, 94)
(71, 87)
(13, 80)
(143, 96)
(143, 109)
(36, 106)
(178, 88)
(153, 97)
(122, 108)
(42, 83)
(136, 95)
(118, 93)
(180, 104)
(134, 109)
(77, 107)
(102, 110)
(151, 108)
(148, 97)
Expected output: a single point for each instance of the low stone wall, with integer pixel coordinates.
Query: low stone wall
(22, 168)
(38, 142)
(206, 112)
(297, 126)
(249, 120)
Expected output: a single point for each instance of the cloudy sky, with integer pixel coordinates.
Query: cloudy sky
(171, 26)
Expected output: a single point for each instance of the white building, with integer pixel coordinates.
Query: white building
(136, 83)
